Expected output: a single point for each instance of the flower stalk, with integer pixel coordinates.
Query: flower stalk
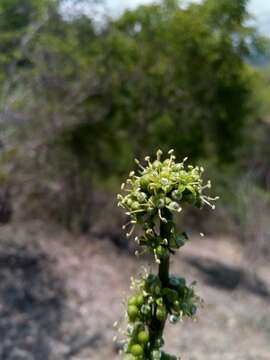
(160, 189)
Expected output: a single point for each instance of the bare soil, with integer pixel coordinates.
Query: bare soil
(60, 295)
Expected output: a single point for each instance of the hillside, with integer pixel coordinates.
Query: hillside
(50, 280)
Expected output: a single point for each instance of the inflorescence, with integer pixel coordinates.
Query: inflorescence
(160, 189)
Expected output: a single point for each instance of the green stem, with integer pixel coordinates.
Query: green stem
(156, 326)
(165, 232)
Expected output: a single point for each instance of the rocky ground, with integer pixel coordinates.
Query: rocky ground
(61, 294)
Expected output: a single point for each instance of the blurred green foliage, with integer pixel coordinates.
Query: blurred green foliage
(80, 101)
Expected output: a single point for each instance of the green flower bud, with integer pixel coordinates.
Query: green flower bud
(166, 162)
(135, 205)
(156, 164)
(161, 313)
(159, 201)
(141, 196)
(174, 206)
(176, 305)
(129, 202)
(144, 182)
(161, 251)
(159, 301)
(164, 181)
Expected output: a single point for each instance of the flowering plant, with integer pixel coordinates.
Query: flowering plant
(160, 189)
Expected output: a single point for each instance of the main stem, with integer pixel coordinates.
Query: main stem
(156, 326)
(165, 233)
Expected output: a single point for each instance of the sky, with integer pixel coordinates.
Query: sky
(260, 8)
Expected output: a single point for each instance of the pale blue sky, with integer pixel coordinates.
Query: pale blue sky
(260, 8)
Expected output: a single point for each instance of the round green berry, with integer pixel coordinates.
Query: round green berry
(139, 300)
(143, 337)
(129, 357)
(132, 300)
(132, 312)
(136, 350)
(161, 313)
(176, 305)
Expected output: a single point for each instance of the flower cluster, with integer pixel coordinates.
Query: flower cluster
(151, 299)
(161, 186)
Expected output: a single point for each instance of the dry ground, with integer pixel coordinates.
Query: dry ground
(60, 295)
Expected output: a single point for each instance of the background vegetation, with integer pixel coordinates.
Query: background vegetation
(81, 95)
(80, 99)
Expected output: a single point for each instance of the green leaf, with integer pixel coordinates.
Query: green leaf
(178, 240)
(170, 294)
(181, 239)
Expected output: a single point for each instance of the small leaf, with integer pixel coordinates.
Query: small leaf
(170, 294)
(181, 239)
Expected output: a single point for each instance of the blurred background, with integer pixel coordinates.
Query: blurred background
(87, 86)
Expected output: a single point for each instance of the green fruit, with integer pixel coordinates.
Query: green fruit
(136, 350)
(132, 312)
(139, 300)
(143, 337)
(161, 313)
(132, 300)
(176, 305)
(129, 357)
